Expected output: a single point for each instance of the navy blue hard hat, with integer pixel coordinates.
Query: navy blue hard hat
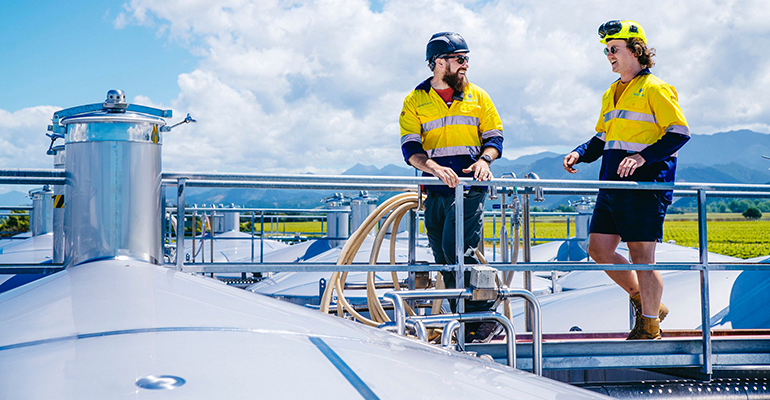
(444, 43)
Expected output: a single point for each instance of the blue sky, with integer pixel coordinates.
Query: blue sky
(66, 53)
(292, 86)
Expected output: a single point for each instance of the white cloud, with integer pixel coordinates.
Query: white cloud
(22, 137)
(292, 86)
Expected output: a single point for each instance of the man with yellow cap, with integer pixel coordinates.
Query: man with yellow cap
(640, 129)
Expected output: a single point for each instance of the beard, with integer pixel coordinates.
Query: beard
(454, 80)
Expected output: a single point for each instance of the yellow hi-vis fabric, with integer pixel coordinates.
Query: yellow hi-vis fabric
(449, 131)
(647, 109)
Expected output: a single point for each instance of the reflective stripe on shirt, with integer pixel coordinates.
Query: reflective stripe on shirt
(413, 137)
(628, 146)
(491, 133)
(472, 151)
(679, 129)
(450, 120)
(629, 115)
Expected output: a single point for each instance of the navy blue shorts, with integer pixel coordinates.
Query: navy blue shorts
(634, 215)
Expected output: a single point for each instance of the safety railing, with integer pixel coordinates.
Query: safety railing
(525, 187)
(511, 187)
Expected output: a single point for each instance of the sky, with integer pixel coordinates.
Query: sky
(317, 86)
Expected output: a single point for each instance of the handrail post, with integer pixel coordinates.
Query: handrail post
(252, 236)
(180, 199)
(527, 258)
(262, 238)
(460, 257)
(704, 283)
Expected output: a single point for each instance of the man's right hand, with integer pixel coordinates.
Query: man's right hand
(425, 164)
(570, 160)
(447, 175)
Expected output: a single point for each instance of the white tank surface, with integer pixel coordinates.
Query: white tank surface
(25, 249)
(32, 250)
(592, 302)
(131, 329)
(664, 252)
(230, 246)
(739, 296)
(303, 287)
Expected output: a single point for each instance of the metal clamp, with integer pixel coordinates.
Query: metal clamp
(187, 120)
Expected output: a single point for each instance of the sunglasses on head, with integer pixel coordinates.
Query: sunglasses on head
(461, 58)
(610, 28)
(611, 49)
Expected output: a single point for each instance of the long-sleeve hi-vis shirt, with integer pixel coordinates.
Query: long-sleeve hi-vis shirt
(646, 120)
(454, 136)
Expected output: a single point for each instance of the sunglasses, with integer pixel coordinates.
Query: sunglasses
(461, 59)
(611, 49)
(610, 28)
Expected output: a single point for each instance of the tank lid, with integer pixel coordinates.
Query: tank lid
(108, 116)
(114, 108)
(338, 198)
(46, 189)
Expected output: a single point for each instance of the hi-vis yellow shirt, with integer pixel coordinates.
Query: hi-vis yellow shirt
(452, 136)
(646, 110)
(646, 120)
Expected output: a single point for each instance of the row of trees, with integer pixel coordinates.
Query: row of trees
(14, 224)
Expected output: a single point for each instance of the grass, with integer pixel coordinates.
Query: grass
(728, 233)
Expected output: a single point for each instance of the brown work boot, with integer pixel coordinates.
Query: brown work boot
(636, 301)
(646, 328)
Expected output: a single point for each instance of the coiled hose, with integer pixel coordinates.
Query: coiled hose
(394, 208)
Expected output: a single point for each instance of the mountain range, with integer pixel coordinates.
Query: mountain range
(726, 157)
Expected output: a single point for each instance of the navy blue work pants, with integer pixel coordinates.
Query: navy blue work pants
(440, 225)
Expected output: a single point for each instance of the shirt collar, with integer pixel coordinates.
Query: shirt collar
(425, 86)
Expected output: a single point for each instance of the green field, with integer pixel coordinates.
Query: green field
(728, 233)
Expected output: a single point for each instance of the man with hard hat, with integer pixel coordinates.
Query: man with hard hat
(450, 129)
(639, 131)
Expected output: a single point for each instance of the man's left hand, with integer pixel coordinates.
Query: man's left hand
(480, 170)
(629, 165)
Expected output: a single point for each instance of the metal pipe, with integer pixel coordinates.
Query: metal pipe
(460, 256)
(262, 238)
(449, 329)
(399, 313)
(527, 258)
(180, 199)
(537, 326)
(194, 218)
(252, 236)
(476, 317)
(232, 179)
(704, 283)
(419, 329)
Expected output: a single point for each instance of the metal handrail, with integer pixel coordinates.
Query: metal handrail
(524, 186)
(535, 185)
(399, 314)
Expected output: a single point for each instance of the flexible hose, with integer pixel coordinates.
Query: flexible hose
(395, 208)
(347, 255)
(354, 241)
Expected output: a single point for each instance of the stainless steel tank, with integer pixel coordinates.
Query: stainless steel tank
(41, 216)
(585, 209)
(232, 220)
(58, 207)
(113, 180)
(360, 208)
(338, 220)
